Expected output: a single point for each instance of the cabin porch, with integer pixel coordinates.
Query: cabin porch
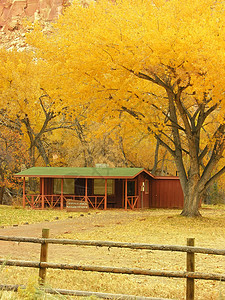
(99, 193)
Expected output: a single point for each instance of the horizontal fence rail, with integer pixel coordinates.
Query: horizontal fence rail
(43, 265)
(136, 246)
(10, 287)
(130, 271)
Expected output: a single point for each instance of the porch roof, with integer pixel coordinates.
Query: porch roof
(70, 172)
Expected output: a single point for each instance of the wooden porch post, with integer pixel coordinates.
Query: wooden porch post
(74, 189)
(123, 198)
(105, 202)
(24, 191)
(61, 198)
(126, 194)
(86, 200)
(42, 194)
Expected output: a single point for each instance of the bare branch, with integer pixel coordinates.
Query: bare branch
(203, 154)
(134, 114)
(170, 119)
(172, 152)
(215, 177)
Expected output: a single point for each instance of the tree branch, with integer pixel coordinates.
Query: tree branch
(215, 177)
(217, 152)
(169, 118)
(158, 138)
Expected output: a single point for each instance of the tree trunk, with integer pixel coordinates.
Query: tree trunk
(121, 147)
(88, 158)
(192, 200)
(2, 190)
(39, 145)
(156, 157)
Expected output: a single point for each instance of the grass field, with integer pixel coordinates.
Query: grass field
(15, 215)
(149, 226)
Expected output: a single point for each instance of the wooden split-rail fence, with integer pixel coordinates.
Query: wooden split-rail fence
(43, 265)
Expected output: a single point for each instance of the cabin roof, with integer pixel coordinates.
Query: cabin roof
(70, 172)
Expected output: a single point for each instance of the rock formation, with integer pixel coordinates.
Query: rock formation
(13, 11)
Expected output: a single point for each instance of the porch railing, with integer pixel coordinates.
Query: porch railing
(132, 201)
(35, 201)
(52, 201)
(96, 201)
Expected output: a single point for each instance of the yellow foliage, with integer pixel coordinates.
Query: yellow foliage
(97, 52)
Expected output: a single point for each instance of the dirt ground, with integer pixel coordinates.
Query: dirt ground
(84, 222)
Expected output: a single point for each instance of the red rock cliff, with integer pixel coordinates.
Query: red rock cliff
(13, 11)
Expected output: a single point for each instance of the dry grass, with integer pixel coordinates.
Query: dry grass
(11, 215)
(151, 226)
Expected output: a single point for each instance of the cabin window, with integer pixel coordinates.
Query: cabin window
(68, 186)
(99, 186)
(130, 188)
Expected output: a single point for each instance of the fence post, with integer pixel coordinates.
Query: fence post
(190, 288)
(43, 256)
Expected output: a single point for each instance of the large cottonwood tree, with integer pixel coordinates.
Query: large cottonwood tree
(160, 63)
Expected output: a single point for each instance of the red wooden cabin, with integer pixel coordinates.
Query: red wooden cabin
(102, 188)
